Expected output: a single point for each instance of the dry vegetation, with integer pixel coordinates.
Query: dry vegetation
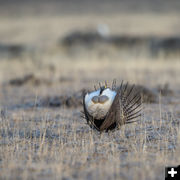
(45, 142)
(55, 143)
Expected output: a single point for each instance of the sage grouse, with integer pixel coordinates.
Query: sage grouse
(109, 108)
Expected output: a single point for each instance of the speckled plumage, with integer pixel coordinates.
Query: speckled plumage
(118, 106)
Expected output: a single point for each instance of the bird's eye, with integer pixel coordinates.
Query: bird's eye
(95, 99)
(103, 99)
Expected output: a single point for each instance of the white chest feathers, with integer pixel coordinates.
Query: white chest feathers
(98, 104)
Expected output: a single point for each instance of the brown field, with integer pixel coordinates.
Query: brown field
(50, 140)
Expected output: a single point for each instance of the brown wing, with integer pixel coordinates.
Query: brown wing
(125, 108)
(113, 114)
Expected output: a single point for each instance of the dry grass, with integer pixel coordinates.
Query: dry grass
(55, 143)
(45, 143)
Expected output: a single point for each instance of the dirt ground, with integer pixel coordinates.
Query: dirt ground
(42, 134)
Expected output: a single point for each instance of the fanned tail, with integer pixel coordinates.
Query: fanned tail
(131, 103)
(125, 109)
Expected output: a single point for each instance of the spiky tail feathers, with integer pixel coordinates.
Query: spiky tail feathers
(131, 102)
(125, 109)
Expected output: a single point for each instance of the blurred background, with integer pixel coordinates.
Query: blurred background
(52, 51)
(58, 47)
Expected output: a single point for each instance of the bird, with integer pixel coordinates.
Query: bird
(108, 108)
